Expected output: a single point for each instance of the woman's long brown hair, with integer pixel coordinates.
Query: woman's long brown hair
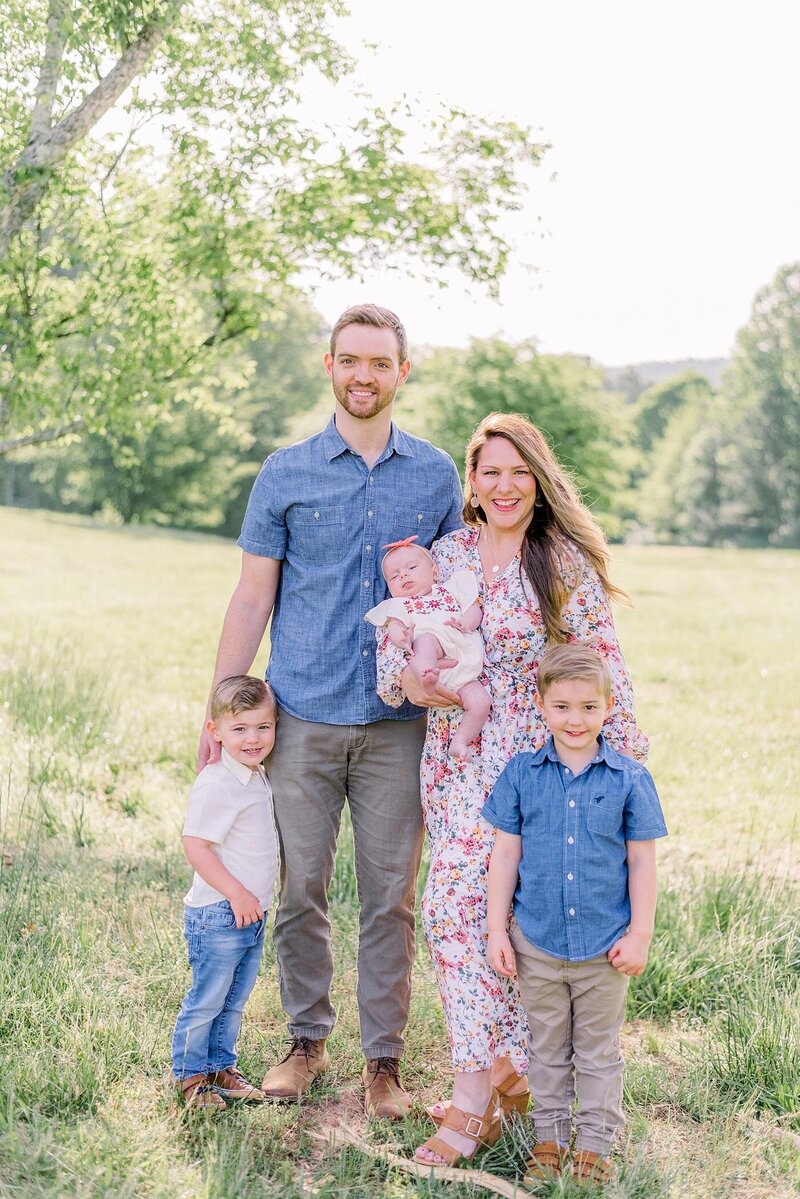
(558, 517)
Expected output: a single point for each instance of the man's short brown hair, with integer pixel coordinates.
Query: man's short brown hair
(241, 693)
(573, 662)
(379, 318)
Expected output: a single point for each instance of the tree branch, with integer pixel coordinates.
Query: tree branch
(42, 435)
(26, 181)
(47, 83)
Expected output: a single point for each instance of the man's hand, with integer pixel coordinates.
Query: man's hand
(208, 750)
(246, 908)
(440, 697)
(629, 953)
(501, 954)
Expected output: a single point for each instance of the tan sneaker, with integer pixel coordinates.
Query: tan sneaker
(385, 1097)
(232, 1084)
(292, 1077)
(197, 1091)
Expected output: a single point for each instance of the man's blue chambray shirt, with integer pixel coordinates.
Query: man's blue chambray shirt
(572, 897)
(319, 509)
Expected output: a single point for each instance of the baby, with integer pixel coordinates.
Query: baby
(437, 624)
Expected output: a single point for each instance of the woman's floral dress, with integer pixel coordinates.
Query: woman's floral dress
(483, 1012)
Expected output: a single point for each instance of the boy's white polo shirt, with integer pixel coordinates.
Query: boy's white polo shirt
(231, 805)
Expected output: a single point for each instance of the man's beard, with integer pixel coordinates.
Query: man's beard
(364, 411)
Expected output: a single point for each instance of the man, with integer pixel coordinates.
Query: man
(318, 516)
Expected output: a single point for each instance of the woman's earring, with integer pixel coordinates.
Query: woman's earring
(538, 502)
(474, 500)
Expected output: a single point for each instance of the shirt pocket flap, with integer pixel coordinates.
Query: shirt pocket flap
(605, 814)
(317, 533)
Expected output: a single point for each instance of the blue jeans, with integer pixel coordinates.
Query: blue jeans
(224, 961)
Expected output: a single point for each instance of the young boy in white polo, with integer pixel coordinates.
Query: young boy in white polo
(229, 837)
(577, 824)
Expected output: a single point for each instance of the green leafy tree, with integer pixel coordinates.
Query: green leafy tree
(658, 404)
(763, 394)
(133, 263)
(561, 394)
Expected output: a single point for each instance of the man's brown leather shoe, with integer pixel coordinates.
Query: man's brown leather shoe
(384, 1094)
(292, 1077)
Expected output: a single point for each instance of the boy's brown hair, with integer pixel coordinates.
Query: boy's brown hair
(573, 661)
(241, 693)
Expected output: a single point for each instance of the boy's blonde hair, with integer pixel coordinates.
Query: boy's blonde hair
(573, 661)
(241, 693)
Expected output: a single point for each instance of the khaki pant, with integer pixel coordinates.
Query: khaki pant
(376, 766)
(575, 1012)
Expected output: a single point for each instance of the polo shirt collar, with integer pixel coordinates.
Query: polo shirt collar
(242, 773)
(334, 444)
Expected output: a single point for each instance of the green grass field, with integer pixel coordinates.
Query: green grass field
(106, 648)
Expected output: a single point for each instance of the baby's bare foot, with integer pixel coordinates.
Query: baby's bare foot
(430, 679)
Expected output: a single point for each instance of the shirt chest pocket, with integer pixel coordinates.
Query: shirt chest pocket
(318, 535)
(605, 814)
(408, 521)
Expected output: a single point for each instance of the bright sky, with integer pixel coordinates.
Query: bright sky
(674, 134)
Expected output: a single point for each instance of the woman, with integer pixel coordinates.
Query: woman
(541, 564)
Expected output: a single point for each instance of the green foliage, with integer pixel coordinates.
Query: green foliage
(562, 395)
(135, 262)
(763, 391)
(658, 404)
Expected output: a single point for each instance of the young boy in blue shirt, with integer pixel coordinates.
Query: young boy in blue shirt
(229, 837)
(577, 824)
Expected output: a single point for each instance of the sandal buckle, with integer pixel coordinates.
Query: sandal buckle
(473, 1127)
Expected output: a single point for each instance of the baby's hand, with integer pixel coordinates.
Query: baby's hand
(455, 622)
(501, 955)
(400, 634)
(629, 953)
(246, 908)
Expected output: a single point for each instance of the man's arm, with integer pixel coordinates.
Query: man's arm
(245, 621)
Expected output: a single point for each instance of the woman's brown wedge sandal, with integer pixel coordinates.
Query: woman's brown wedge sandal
(484, 1130)
(510, 1105)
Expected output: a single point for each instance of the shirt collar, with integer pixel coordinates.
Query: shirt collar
(334, 444)
(240, 771)
(605, 753)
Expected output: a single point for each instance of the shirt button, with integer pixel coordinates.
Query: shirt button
(572, 911)
(370, 513)
(366, 582)
(570, 840)
(570, 877)
(316, 516)
(567, 770)
(371, 479)
(419, 516)
(572, 803)
(365, 654)
(369, 549)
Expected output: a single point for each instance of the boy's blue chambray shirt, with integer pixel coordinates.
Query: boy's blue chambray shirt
(318, 508)
(572, 898)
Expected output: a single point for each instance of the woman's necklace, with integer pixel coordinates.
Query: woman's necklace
(501, 562)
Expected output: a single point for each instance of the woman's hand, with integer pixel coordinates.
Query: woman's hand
(440, 697)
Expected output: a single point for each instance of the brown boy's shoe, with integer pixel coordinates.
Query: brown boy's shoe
(232, 1084)
(591, 1167)
(385, 1097)
(197, 1091)
(547, 1161)
(292, 1077)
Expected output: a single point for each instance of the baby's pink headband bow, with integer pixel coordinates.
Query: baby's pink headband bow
(391, 546)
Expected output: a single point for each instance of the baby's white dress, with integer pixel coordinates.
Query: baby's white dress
(427, 613)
